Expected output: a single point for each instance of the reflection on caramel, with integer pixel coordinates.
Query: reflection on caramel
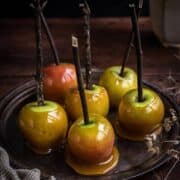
(132, 136)
(40, 151)
(93, 169)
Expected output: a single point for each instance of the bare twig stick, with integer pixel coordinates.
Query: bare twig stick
(138, 51)
(171, 169)
(75, 50)
(47, 30)
(39, 58)
(50, 38)
(86, 15)
(131, 41)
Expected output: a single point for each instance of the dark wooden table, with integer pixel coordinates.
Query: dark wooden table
(109, 40)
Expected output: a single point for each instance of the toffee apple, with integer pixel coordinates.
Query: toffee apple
(137, 119)
(141, 110)
(96, 96)
(97, 102)
(117, 86)
(90, 142)
(91, 146)
(43, 123)
(58, 80)
(44, 127)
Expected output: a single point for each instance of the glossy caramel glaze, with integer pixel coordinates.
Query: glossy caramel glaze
(44, 127)
(93, 169)
(97, 102)
(92, 143)
(58, 80)
(136, 119)
(116, 85)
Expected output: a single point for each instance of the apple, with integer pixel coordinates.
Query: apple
(44, 127)
(58, 80)
(91, 146)
(137, 119)
(117, 85)
(97, 102)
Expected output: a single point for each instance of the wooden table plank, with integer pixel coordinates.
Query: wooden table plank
(109, 39)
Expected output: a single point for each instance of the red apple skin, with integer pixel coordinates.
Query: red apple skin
(140, 118)
(58, 80)
(116, 85)
(97, 102)
(44, 127)
(92, 143)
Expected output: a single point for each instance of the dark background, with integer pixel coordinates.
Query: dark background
(69, 8)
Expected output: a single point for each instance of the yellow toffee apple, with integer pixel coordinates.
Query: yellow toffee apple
(44, 127)
(137, 119)
(97, 102)
(117, 85)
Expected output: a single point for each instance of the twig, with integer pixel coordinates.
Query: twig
(47, 30)
(131, 41)
(86, 15)
(138, 50)
(175, 154)
(39, 58)
(50, 38)
(75, 50)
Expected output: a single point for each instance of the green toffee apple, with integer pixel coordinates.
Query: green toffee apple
(117, 86)
(44, 127)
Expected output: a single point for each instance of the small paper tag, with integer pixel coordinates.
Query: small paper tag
(74, 41)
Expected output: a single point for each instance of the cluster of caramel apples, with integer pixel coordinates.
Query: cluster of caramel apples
(89, 138)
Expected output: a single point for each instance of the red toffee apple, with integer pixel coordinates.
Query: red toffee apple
(97, 102)
(117, 85)
(91, 146)
(58, 80)
(137, 119)
(44, 127)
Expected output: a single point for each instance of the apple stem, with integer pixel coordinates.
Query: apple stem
(86, 15)
(131, 41)
(39, 53)
(76, 59)
(139, 52)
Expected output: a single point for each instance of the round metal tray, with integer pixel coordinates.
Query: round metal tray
(135, 160)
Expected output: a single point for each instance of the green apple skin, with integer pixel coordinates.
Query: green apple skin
(97, 102)
(138, 119)
(91, 143)
(44, 127)
(117, 86)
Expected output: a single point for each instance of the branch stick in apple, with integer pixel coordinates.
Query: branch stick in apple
(138, 50)
(86, 15)
(49, 35)
(39, 58)
(80, 79)
(131, 41)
